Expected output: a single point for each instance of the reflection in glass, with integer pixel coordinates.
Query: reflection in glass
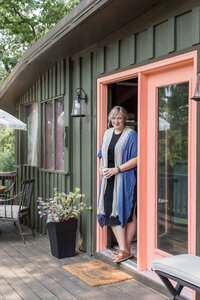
(172, 206)
(59, 134)
(49, 135)
(31, 141)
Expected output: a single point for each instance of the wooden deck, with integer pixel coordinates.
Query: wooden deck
(30, 272)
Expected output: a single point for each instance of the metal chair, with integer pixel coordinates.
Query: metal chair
(17, 207)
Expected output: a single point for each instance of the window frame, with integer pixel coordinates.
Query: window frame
(43, 133)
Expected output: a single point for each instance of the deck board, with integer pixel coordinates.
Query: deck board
(30, 272)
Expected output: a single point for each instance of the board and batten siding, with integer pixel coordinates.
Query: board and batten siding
(62, 79)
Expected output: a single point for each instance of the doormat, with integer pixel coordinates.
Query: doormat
(96, 273)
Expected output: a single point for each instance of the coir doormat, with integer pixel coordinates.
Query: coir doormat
(96, 273)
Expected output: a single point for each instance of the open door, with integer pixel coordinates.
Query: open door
(166, 171)
(125, 94)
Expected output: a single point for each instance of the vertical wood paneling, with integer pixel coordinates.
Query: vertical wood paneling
(86, 153)
(100, 61)
(127, 51)
(54, 81)
(50, 83)
(184, 35)
(195, 25)
(58, 77)
(47, 183)
(43, 87)
(34, 92)
(54, 137)
(76, 129)
(67, 119)
(161, 43)
(141, 46)
(29, 95)
(26, 97)
(44, 196)
(171, 35)
(150, 42)
(112, 56)
(46, 87)
(76, 134)
(36, 194)
(51, 184)
(59, 183)
(62, 77)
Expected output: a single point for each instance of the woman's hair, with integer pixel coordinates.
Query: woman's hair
(115, 111)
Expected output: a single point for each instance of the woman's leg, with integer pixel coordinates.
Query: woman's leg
(120, 234)
(130, 230)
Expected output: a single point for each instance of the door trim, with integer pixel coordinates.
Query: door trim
(142, 73)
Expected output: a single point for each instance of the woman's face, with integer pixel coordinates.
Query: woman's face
(118, 121)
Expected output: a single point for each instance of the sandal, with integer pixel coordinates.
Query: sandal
(122, 255)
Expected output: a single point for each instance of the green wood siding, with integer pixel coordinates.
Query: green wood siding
(47, 87)
(64, 77)
(112, 56)
(127, 51)
(160, 38)
(177, 33)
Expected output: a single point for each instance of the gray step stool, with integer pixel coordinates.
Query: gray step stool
(184, 269)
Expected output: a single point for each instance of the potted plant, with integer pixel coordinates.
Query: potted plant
(61, 214)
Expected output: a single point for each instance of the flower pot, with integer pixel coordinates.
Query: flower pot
(62, 238)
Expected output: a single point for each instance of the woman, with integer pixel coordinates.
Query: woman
(117, 196)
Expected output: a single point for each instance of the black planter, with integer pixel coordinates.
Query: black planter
(62, 238)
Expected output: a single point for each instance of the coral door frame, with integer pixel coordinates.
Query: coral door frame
(146, 183)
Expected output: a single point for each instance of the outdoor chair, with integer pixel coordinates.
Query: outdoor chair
(17, 207)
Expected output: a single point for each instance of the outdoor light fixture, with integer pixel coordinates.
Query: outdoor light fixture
(79, 104)
(197, 89)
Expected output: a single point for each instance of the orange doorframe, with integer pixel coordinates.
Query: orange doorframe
(142, 73)
(180, 73)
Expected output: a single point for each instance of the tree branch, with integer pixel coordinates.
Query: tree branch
(24, 20)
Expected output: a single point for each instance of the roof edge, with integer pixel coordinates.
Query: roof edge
(66, 24)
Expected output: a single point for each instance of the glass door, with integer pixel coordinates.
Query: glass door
(171, 142)
(172, 200)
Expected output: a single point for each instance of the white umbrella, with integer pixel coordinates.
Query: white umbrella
(163, 125)
(8, 121)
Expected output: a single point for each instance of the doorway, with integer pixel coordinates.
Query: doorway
(156, 213)
(125, 94)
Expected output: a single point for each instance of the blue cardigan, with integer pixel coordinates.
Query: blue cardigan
(127, 181)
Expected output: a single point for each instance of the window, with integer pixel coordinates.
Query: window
(53, 134)
(31, 141)
(173, 168)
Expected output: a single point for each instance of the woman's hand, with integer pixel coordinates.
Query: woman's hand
(109, 172)
(101, 171)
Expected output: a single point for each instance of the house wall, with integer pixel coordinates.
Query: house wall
(161, 39)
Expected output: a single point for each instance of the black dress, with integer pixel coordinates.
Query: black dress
(108, 196)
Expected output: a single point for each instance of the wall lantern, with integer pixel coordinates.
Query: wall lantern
(197, 89)
(79, 104)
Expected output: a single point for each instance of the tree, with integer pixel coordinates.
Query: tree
(22, 23)
(7, 150)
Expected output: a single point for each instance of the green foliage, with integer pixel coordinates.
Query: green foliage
(24, 22)
(173, 108)
(7, 150)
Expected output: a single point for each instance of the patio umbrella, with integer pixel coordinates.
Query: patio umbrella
(8, 121)
(163, 125)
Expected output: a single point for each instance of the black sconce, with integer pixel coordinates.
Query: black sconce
(197, 89)
(79, 104)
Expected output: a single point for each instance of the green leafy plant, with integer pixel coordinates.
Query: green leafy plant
(7, 150)
(62, 207)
